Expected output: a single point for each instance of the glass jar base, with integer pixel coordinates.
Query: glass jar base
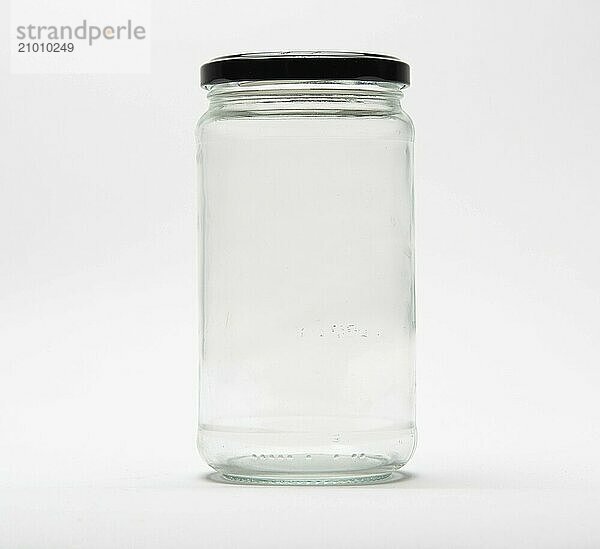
(325, 481)
(307, 469)
(307, 450)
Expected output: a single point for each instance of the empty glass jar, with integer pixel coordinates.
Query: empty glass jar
(306, 268)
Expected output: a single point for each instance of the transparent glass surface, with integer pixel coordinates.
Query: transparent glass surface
(307, 282)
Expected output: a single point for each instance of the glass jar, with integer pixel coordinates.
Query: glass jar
(306, 268)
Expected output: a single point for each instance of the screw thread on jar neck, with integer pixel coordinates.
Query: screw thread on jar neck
(352, 97)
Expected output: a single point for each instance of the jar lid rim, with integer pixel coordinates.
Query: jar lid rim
(305, 65)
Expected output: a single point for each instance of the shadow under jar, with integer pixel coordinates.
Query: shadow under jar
(306, 268)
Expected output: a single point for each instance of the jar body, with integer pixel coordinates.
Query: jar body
(307, 283)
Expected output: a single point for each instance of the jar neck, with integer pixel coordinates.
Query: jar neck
(351, 98)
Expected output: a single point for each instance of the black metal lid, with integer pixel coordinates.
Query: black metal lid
(299, 65)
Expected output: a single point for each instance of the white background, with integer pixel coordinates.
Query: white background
(98, 356)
